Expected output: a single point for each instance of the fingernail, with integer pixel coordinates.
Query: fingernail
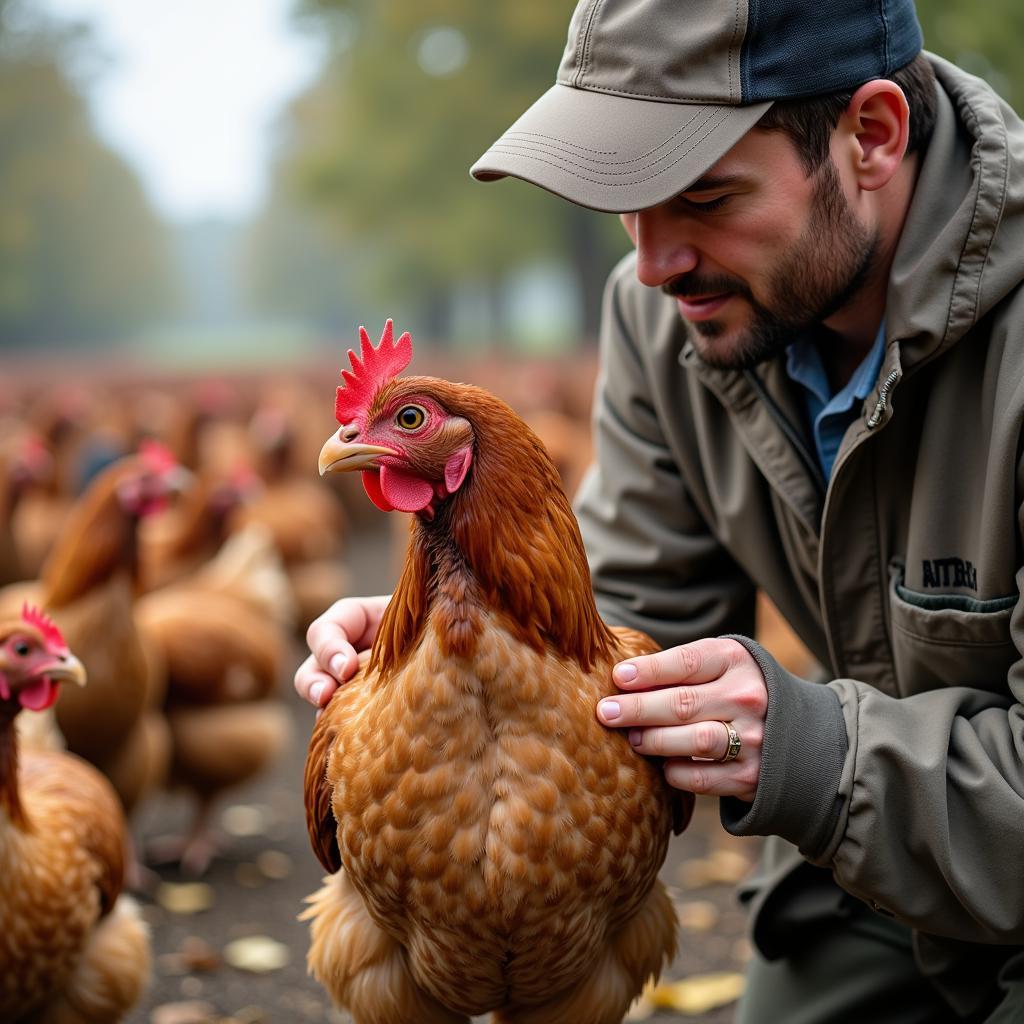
(624, 673)
(337, 665)
(636, 737)
(316, 692)
(610, 709)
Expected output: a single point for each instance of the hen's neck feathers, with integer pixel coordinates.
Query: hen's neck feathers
(507, 542)
(98, 540)
(10, 797)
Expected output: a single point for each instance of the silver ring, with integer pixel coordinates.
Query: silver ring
(732, 751)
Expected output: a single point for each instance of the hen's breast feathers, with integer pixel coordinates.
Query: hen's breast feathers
(484, 790)
(73, 811)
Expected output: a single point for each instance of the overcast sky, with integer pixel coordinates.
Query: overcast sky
(191, 93)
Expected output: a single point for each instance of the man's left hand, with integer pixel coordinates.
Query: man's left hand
(678, 704)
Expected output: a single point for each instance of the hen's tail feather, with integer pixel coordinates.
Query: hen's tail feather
(361, 966)
(632, 956)
(112, 974)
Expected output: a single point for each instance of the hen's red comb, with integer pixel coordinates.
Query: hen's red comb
(157, 457)
(376, 368)
(45, 625)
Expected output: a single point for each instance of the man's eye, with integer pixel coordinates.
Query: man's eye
(411, 417)
(705, 207)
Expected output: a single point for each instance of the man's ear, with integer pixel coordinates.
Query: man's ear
(872, 133)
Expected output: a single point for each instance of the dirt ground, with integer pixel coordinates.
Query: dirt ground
(231, 951)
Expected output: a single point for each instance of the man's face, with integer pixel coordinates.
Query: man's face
(755, 251)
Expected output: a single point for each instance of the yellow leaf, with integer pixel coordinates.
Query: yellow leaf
(257, 953)
(697, 915)
(187, 898)
(722, 867)
(699, 993)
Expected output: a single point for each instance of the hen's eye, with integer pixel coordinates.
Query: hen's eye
(411, 417)
(21, 648)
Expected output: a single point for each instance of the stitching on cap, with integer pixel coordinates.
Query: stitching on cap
(590, 36)
(660, 97)
(735, 30)
(674, 137)
(597, 181)
(581, 71)
(571, 145)
(885, 37)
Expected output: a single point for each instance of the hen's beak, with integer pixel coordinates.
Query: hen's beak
(338, 456)
(65, 669)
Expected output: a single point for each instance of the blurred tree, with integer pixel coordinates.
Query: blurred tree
(81, 255)
(384, 141)
(984, 39)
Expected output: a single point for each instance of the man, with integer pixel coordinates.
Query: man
(811, 383)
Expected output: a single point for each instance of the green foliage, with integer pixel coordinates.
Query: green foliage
(983, 38)
(81, 255)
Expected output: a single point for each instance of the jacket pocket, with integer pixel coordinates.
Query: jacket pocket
(949, 639)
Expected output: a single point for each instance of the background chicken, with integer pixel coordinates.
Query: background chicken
(223, 648)
(71, 950)
(306, 520)
(89, 584)
(493, 848)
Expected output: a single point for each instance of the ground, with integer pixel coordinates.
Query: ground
(254, 893)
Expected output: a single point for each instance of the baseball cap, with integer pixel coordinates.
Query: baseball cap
(650, 93)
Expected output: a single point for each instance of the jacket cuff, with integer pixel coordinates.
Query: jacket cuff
(802, 759)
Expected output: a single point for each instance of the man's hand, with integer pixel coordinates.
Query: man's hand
(340, 640)
(674, 706)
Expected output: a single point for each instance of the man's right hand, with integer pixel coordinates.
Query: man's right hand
(340, 640)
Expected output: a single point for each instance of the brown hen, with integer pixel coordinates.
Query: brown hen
(492, 847)
(72, 951)
(89, 584)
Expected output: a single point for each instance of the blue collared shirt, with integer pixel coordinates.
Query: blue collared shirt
(830, 414)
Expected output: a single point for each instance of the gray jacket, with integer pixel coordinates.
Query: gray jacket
(903, 775)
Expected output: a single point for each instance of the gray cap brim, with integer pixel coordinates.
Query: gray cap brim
(611, 153)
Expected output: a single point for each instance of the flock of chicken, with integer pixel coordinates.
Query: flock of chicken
(178, 540)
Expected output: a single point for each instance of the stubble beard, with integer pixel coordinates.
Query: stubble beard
(815, 278)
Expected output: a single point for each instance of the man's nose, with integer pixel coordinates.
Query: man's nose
(663, 250)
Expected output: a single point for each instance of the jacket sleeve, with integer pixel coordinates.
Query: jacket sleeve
(915, 803)
(655, 565)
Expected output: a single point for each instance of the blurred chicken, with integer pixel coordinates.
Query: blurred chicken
(305, 518)
(72, 950)
(24, 462)
(89, 584)
(492, 847)
(224, 655)
(182, 539)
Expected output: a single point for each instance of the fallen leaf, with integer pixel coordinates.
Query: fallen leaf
(250, 876)
(193, 955)
(697, 915)
(243, 820)
(185, 898)
(249, 1015)
(191, 1012)
(699, 993)
(722, 867)
(274, 864)
(257, 953)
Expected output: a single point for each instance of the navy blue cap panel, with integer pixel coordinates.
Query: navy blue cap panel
(809, 49)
